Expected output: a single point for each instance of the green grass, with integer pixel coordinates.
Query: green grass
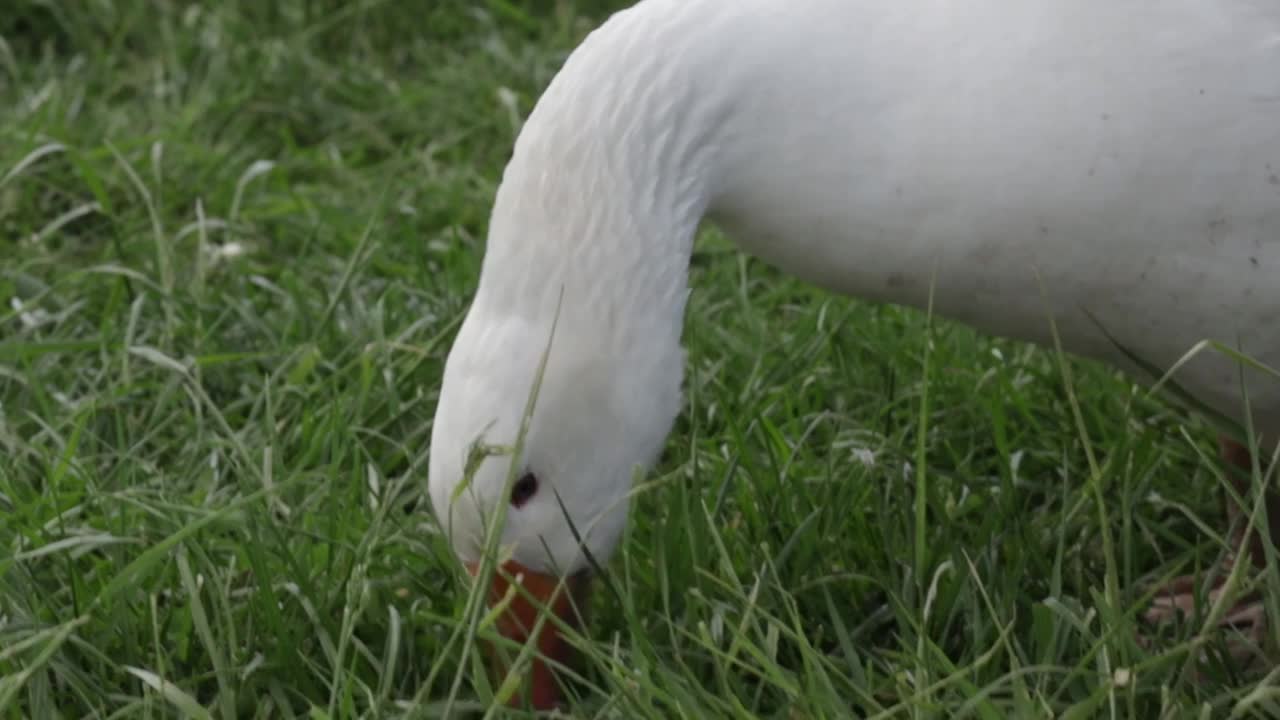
(235, 240)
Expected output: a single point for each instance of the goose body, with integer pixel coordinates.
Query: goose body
(1110, 164)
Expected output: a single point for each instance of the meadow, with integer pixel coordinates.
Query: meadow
(235, 241)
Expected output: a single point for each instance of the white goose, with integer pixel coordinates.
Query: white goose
(1122, 158)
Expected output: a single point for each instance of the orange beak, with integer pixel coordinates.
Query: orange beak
(563, 597)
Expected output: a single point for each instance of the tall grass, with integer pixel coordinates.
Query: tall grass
(235, 241)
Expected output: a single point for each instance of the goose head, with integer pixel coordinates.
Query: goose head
(588, 424)
(549, 450)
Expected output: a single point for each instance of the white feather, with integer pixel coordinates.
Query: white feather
(1120, 158)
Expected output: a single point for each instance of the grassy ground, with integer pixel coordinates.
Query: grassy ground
(235, 240)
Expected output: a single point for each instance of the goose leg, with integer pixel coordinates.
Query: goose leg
(1246, 620)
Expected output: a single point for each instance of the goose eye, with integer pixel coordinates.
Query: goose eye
(524, 489)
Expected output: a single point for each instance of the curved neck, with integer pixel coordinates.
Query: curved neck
(607, 184)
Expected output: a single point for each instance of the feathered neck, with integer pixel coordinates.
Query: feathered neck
(607, 184)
